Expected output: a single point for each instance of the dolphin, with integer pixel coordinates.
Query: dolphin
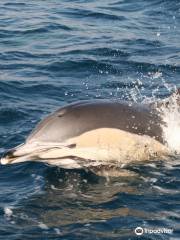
(96, 133)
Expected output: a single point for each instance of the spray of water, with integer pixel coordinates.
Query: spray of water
(169, 111)
(170, 114)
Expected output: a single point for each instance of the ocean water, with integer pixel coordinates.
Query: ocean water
(56, 52)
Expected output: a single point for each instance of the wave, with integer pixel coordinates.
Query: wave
(45, 28)
(12, 114)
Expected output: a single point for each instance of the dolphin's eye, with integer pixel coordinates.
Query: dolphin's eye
(72, 145)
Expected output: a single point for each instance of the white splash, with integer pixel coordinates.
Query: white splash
(58, 231)
(8, 212)
(43, 226)
(171, 129)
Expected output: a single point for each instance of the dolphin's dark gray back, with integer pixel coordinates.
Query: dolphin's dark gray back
(75, 119)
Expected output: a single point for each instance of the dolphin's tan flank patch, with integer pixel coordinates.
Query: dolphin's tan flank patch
(107, 144)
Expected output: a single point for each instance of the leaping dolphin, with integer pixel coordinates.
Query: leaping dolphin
(94, 133)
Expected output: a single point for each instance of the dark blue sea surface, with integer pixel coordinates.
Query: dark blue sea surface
(59, 51)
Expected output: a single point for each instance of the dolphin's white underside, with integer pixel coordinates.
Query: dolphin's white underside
(101, 146)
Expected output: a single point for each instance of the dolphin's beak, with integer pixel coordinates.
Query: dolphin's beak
(30, 152)
(51, 153)
(7, 157)
(21, 153)
(24, 152)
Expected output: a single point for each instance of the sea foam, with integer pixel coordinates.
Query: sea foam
(170, 113)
